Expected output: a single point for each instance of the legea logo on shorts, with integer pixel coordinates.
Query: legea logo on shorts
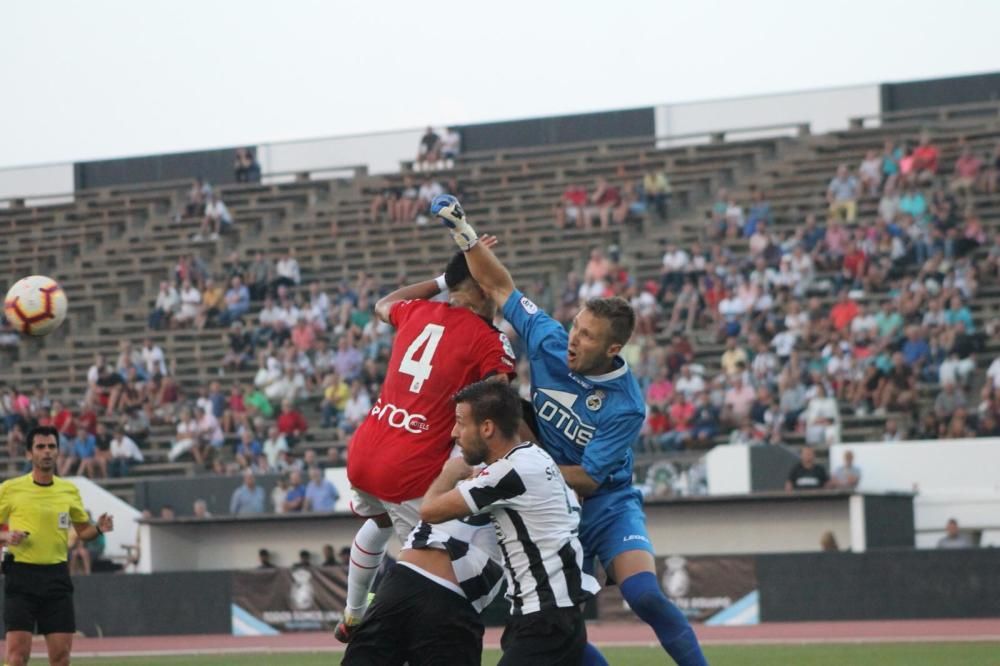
(636, 537)
(397, 417)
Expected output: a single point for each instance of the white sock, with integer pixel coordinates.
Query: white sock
(367, 552)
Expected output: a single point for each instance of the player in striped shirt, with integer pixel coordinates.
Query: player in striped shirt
(536, 517)
(428, 605)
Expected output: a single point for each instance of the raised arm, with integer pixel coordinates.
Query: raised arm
(487, 270)
(421, 290)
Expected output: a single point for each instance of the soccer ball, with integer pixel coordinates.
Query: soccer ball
(35, 305)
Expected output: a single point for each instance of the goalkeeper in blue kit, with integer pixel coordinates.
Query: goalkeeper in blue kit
(589, 410)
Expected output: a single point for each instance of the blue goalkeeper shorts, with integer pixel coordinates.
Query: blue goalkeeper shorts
(611, 524)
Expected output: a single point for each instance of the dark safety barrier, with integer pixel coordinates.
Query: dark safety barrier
(559, 129)
(881, 585)
(215, 166)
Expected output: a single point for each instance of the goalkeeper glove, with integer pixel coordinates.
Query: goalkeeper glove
(452, 216)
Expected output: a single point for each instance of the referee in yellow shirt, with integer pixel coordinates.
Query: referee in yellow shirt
(39, 509)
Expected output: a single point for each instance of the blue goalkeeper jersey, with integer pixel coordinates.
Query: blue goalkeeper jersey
(591, 421)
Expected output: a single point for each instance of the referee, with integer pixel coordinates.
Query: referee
(38, 509)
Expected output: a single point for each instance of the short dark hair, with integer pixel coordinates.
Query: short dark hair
(618, 313)
(43, 431)
(495, 401)
(457, 270)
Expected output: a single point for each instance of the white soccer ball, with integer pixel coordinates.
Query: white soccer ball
(35, 305)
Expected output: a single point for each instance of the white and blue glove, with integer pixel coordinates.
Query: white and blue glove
(452, 216)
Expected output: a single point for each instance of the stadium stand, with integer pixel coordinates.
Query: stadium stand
(110, 249)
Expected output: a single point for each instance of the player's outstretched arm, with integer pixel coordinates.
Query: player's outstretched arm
(443, 501)
(421, 290)
(487, 270)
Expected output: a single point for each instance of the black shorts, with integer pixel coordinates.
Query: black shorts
(38, 596)
(553, 637)
(416, 621)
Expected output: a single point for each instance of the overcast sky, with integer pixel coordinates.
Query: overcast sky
(83, 80)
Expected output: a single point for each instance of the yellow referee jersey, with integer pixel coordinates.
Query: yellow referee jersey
(46, 512)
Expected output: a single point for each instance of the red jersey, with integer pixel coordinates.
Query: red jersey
(398, 450)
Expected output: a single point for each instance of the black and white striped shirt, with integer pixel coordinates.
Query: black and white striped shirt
(536, 517)
(475, 556)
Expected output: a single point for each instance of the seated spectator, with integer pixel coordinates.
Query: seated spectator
(321, 495)
(844, 311)
(154, 362)
(264, 558)
(335, 457)
(572, 206)
(248, 450)
(429, 151)
(83, 554)
(212, 302)
(190, 305)
(828, 543)
(295, 498)
(248, 499)
(737, 401)
(429, 189)
(258, 276)
(953, 538)
(842, 195)
(892, 432)
(925, 160)
(209, 435)
(200, 509)
(897, 387)
(759, 214)
(329, 556)
(847, 476)
(167, 305)
(451, 146)
(604, 199)
(274, 446)
(197, 195)
(356, 408)
(303, 336)
(291, 423)
(807, 474)
(822, 418)
(335, 395)
(245, 166)
(83, 458)
(124, 453)
(217, 219)
(236, 302)
(967, 173)
(870, 173)
(949, 399)
(657, 191)
(289, 386)
(239, 350)
(287, 273)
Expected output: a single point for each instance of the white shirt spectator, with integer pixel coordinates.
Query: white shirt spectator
(154, 360)
(993, 372)
(357, 408)
(592, 289)
(732, 308)
(290, 315)
(208, 427)
(784, 343)
(288, 267)
(168, 301)
(190, 302)
(268, 317)
(273, 448)
(690, 386)
(125, 448)
(676, 261)
(430, 190)
(451, 143)
(864, 323)
(217, 210)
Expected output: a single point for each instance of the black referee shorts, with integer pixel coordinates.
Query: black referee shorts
(416, 621)
(38, 596)
(553, 637)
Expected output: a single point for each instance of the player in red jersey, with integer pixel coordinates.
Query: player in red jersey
(399, 449)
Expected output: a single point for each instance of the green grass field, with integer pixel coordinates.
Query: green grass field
(884, 654)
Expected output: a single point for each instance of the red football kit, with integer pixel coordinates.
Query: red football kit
(399, 449)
